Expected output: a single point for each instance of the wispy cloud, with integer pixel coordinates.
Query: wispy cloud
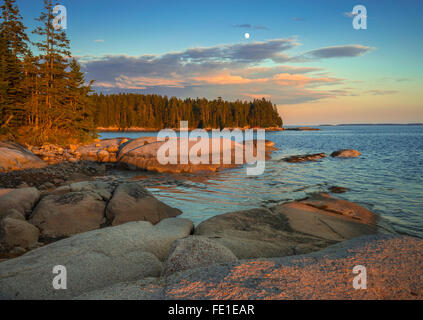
(99, 40)
(381, 92)
(298, 19)
(250, 26)
(334, 52)
(349, 14)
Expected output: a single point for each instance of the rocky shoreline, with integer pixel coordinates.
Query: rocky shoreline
(118, 241)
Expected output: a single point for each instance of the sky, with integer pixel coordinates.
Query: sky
(305, 56)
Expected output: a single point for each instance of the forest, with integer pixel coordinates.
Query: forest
(157, 112)
(44, 96)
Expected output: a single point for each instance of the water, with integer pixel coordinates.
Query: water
(386, 179)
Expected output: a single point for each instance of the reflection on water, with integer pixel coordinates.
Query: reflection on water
(387, 179)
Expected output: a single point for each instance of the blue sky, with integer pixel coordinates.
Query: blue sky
(198, 48)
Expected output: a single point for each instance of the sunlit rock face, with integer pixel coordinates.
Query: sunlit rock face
(14, 156)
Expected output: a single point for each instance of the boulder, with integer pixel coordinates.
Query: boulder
(289, 229)
(146, 156)
(93, 260)
(394, 268)
(132, 202)
(64, 215)
(17, 233)
(14, 156)
(194, 252)
(305, 158)
(346, 153)
(134, 144)
(20, 200)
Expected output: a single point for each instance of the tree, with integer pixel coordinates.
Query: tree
(14, 47)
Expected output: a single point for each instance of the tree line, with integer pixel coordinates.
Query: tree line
(44, 96)
(157, 112)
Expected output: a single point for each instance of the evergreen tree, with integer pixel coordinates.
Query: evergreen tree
(14, 47)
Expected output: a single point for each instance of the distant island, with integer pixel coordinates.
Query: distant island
(139, 112)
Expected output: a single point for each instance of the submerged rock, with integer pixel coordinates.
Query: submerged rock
(336, 189)
(346, 153)
(14, 156)
(93, 260)
(305, 158)
(132, 202)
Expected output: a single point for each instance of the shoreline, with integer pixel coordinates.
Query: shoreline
(115, 129)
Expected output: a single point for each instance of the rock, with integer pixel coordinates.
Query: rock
(341, 208)
(93, 260)
(143, 154)
(394, 268)
(346, 153)
(14, 156)
(68, 214)
(135, 290)
(305, 158)
(132, 202)
(22, 200)
(17, 233)
(194, 252)
(97, 151)
(336, 189)
(15, 214)
(135, 143)
(289, 229)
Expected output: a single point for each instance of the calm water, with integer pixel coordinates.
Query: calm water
(387, 179)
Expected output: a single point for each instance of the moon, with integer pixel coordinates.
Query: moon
(247, 35)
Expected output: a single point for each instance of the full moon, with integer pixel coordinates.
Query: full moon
(247, 35)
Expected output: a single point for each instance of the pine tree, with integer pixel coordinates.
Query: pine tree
(54, 49)
(14, 48)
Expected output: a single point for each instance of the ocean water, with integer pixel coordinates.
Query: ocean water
(386, 179)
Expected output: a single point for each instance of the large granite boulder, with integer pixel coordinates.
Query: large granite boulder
(93, 260)
(194, 252)
(16, 233)
(394, 267)
(145, 155)
(64, 215)
(346, 153)
(18, 200)
(132, 202)
(14, 156)
(289, 229)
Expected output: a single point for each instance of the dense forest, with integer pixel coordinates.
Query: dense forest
(44, 96)
(157, 112)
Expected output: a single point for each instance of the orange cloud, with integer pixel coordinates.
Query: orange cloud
(299, 80)
(227, 78)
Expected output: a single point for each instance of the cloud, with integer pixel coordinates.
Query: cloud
(353, 50)
(298, 19)
(233, 71)
(381, 92)
(249, 26)
(99, 40)
(349, 14)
